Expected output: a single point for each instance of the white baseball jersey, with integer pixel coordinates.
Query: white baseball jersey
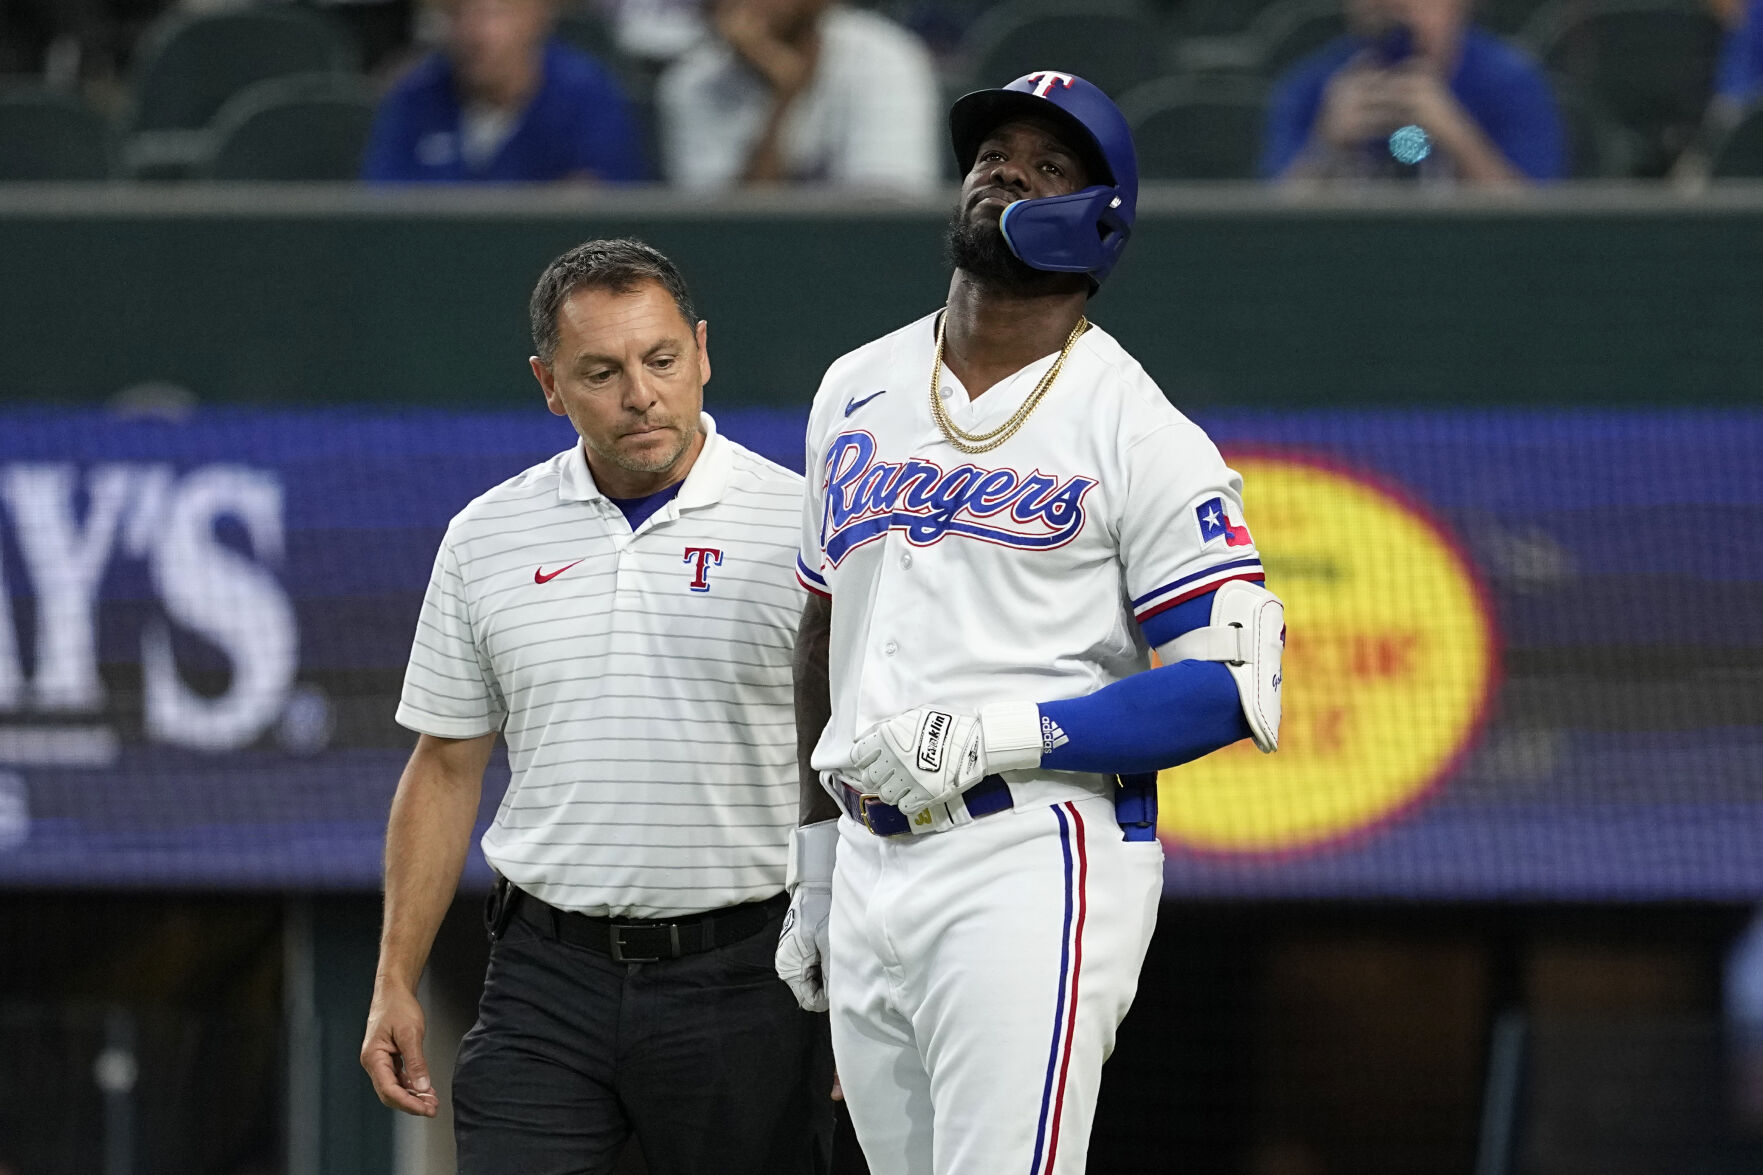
(978, 975)
(1021, 574)
(641, 680)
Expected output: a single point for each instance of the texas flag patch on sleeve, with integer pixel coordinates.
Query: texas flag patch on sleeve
(1215, 524)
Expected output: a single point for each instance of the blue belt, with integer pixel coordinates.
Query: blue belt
(989, 795)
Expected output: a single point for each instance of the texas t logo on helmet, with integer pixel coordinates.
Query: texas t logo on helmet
(1047, 78)
(1084, 231)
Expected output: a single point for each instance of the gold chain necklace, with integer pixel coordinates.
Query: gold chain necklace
(971, 443)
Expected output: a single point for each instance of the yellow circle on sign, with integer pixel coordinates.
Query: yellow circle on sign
(1389, 664)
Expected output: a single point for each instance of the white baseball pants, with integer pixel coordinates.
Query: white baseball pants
(976, 981)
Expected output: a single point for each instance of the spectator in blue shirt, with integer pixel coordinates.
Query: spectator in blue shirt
(1740, 79)
(504, 103)
(1414, 89)
(1738, 82)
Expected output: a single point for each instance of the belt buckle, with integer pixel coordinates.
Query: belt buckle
(618, 955)
(863, 802)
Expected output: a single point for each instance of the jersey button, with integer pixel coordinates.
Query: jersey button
(906, 559)
(890, 648)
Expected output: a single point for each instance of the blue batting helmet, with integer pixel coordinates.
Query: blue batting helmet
(1086, 231)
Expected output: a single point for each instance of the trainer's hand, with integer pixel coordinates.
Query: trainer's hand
(802, 947)
(926, 756)
(392, 1052)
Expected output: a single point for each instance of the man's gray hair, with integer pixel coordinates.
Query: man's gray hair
(619, 266)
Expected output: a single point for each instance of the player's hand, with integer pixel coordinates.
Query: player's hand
(926, 756)
(392, 1052)
(802, 946)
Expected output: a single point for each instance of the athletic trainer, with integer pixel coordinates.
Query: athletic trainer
(1005, 517)
(623, 614)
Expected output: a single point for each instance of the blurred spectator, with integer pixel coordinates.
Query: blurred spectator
(504, 102)
(1484, 111)
(655, 32)
(1740, 78)
(797, 91)
(1744, 1023)
(1738, 83)
(75, 45)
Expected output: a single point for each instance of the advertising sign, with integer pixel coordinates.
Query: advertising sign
(1523, 660)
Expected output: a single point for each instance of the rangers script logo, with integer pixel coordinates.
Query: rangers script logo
(866, 498)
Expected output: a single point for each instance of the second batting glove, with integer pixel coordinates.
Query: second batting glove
(926, 756)
(802, 946)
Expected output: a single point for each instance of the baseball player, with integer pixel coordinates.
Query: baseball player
(1004, 519)
(624, 615)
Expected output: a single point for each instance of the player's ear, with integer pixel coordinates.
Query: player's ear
(548, 382)
(703, 333)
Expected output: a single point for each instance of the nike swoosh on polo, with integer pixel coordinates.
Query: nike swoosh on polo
(539, 575)
(856, 404)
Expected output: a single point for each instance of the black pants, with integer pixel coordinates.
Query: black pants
(706, 1057)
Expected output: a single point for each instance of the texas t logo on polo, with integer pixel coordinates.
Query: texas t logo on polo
(705, 558)
(1046, 78)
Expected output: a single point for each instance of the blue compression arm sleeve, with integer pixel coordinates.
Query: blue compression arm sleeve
(1149, 721)
(1152, 720)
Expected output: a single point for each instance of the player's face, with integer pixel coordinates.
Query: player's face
(1023, 160)
(629, 372)
(1019, 161)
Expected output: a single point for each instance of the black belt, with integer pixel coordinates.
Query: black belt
(638, 940)
(989, 795)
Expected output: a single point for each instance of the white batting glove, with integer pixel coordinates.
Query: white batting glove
(802, 948)
(926, 756)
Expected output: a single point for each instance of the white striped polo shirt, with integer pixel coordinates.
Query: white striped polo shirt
(641, 680)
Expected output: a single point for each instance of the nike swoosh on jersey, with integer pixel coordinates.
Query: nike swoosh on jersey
(539, 575)
(856, 404)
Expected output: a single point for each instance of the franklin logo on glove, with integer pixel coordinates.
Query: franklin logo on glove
(933, 735)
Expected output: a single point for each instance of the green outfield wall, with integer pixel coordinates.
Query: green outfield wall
(1230, 297)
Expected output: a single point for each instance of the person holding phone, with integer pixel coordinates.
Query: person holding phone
(1414, 90)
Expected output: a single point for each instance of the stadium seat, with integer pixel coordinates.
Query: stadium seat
(1506, 17)
(187, 66)
(1650, 63)
(1220, 18)
(45, 136)
(1291, 30)
(1740, 153)
(1597, 146)
(1205, 127)
(1113, 43)
(304, 127)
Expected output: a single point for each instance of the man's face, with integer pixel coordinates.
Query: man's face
(490, 39)
(1437, 25)
(1025, 159)
(629, 372)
